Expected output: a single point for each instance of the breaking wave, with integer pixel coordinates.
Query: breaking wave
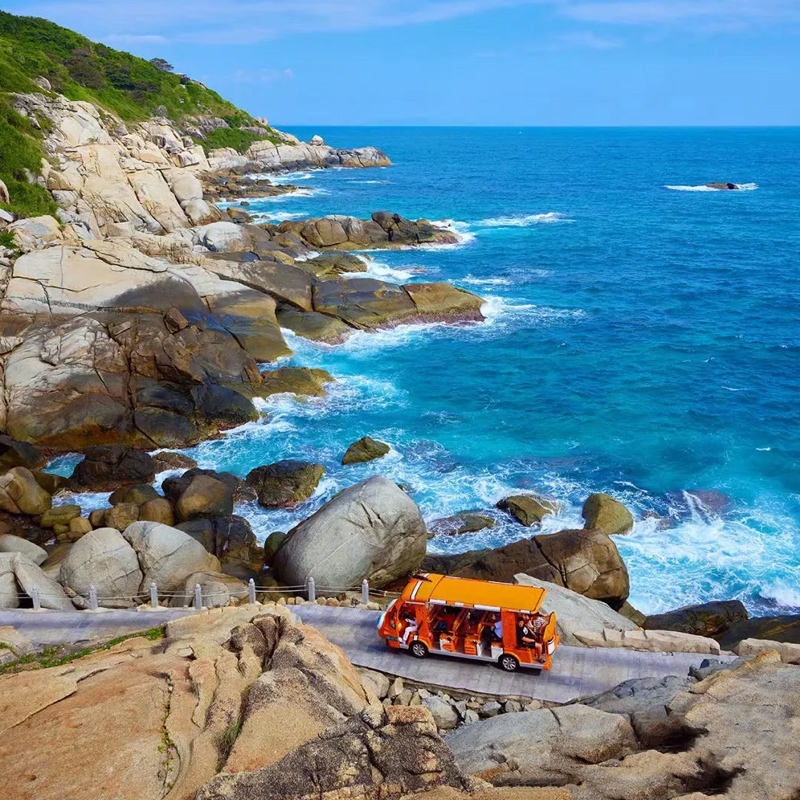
(743, 187)
(525, 220)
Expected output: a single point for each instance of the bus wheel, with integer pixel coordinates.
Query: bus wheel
(418, 649)
(508, 662)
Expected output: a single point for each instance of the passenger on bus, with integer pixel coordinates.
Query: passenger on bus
(410, 623)
(526, 637)
(497, 629)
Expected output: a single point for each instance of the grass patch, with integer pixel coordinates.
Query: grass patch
(238, 139)
(7, 241)
(59, 655)
(227, 739)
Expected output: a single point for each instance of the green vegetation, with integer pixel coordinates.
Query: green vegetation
(7, 241)
(132, 88)
(238, 139)
(58, 655)
(227, 739)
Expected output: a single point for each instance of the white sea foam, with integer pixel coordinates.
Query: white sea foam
(288, 178)
(385, 272)
(279, 216)
(525, 220)
(485, 281)
(501, 310)
(462, 230)
(743, 187)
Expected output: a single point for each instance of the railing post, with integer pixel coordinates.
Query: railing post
(37, 600)
(154, 596)
(312, 589)
(92, 598)
(365, 591)
(198, 597)
(251, 592)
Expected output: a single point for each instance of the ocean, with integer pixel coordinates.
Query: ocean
(642, 339)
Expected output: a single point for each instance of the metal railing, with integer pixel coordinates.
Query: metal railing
(200, 596)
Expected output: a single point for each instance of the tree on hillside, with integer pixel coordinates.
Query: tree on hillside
(162, 64)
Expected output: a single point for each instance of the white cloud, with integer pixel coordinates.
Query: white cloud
(251, 21)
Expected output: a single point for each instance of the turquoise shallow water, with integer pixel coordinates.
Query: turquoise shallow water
(640, 340)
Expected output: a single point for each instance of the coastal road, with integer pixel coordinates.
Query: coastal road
(577, 671)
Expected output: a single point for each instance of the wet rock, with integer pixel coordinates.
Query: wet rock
(458, 524)
(528, 509)
(314, 326)
(108, 467)
(295, 380)
(365, 449)
(385, 529)
(285, 483)
(167, 460)
(709, 619)
(603, 513)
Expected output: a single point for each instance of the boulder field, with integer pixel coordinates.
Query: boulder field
(141, 315)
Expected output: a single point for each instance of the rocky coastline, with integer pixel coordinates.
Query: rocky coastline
(140, 319)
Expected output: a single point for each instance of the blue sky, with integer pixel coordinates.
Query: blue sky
(469, 62)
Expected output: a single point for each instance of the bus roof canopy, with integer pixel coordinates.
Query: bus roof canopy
(445, 590)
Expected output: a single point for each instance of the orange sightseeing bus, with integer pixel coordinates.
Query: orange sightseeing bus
(465, 618)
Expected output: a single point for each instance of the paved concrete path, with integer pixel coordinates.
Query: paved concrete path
(577, 671)
(61, 627)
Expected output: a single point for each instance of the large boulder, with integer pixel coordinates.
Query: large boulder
(295, 380)
(204, 497)
(601, 512)
(231, 540)
(372, 530)
(167, 556)
(107, 467)
(709, 619)
(60, 515)
(779, 629)
(20, 493)
(546, 747)
(103, 559)
(528, 509)
(650, 641)
(9, 593)
(30, 577)
(461, 523)
(365, 449)
(285, 483)
(575, 612)
(587, 562)
(16, 544)
(217, 590)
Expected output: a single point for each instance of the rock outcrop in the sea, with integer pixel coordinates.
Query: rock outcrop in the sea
(709, 619)
(464, 522)
(587, 562)
(601, 512)
(364, 450)
(285, 483)
(372, 530)
(528, 509)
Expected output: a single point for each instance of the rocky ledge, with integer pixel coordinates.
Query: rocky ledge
(142, 316)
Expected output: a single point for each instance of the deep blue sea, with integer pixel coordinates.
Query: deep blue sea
(642, 339)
